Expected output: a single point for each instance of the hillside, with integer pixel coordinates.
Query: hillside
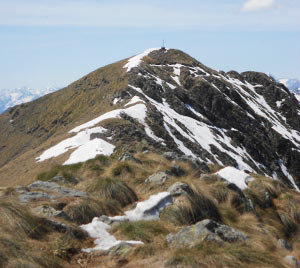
(153, 161)
(163, 100)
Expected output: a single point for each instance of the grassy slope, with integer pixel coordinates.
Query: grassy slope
(43, 122)
(281, 220)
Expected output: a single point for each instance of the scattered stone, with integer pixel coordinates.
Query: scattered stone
(171, 156)
(106, 219)
(121, 250)
(176, 171)
(179, 188)
(284, 244)
(63, 180)
(54, 187)
(21, 189)
(206, 230)
(292, 261)
(27, 196)
(49, 211)
(129, 157)
(194, 162)
(157, 178)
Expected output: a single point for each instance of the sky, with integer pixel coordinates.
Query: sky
(55, 42)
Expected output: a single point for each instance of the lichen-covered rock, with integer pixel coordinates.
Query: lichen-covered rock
(206, 230)
(157, 178)
(179, 188)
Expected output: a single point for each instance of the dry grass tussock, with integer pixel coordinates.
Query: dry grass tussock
(113, 189)
(21, 234)
(83, 211)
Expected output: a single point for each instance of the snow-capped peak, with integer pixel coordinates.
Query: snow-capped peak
(136, 60)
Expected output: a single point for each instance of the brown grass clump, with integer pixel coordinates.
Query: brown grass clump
(195, 207)
(113, 189)
(17, 220)
(84, 211)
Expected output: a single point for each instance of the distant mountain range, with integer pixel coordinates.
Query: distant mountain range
(12, 97)
(293, 85)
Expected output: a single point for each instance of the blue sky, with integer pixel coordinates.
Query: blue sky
(54, 42)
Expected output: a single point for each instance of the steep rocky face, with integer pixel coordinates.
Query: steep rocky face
(167, 101)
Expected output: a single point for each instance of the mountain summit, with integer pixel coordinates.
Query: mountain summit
(162, 100)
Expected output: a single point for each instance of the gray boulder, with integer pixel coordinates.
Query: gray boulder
(206, 230)
(157, 178)
(292, 261)
(28, 196)
(49, 211)
(121, 250)
(129, 157)
(179, 188)
(54, 187)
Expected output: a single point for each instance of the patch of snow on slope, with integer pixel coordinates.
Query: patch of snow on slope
(136, 60)
(279, 103)
(116, 100)
(288, 175)
(145, 210)
(176, 79)
(134, 100)
(89, 149)
(233, 175)
(86, 148)
(104, 240)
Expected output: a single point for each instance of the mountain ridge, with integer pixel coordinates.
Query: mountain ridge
(165, 101)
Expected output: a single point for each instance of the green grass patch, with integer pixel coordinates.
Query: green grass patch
(142, 230)
(67, 171)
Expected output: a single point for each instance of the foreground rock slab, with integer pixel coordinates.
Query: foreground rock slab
(206, 230)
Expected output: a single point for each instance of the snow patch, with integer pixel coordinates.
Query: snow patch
(233, 175)
(136, 60)
(287, 174)
(145, 210)
(86, 148)
(104, 240)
